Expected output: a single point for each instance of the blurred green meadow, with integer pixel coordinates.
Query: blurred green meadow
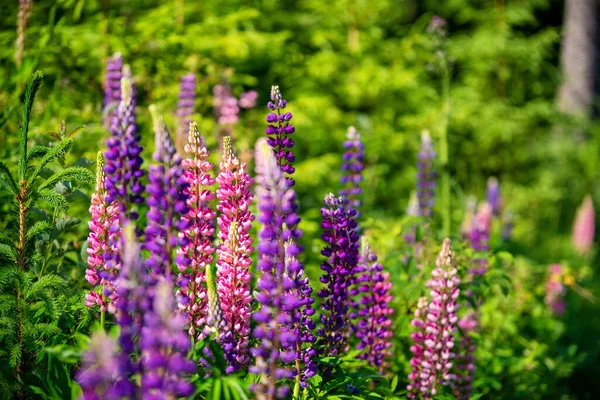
(487, 86)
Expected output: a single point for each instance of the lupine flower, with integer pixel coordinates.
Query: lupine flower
(418, 348)
(248, 99)
(342, 249)
(25, 7)
(466, 227)
(225, 105)
(555, 290)
(279, 131)
(185, 104)
(234, 250)
(436, 337)
(167, 201)
(352, 167)
(374, 326)
(196, 250)
(464, 365)
(480, 236)
(493, 196)
(105, 233)
(98, 372)
(426, 175)
(112, 88)
(584, 227)
(123, 157)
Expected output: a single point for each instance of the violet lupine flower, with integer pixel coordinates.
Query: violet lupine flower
(418, 348)
(123, 157)
(105, 232)
(374, 326)
(185, 104)
(112, 88)
(225, 105)
(435, 362)
(278, 301)
(164, 345)
(493, 196)
(167, 201)
(464, 365)
(342, 247)
(248, 99)
(98, 372)
(353, 167)
(234, 250)
(426, 175)
(555, 290)
(480, 235)
(279, 131)
(196, 250)
(584, 227)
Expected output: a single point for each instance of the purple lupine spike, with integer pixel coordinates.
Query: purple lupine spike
(342, 249)
(99, 364)
(555, 290)
(279, 286)
(234, 250)
(493, 196)
(480, 236)
(418, 348)
(279, 131)
(185, 105)
(353, 167)
(112, 88)
(426, 175)
(167, 201)
(374, 326)
(464, 365)
(584, 227)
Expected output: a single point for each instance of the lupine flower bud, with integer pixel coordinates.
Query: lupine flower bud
(493, 196)
(480, 236)
(555, 290)
(234, 250)
(584, 227)
(374, 326)
(279, 131)
(465, 357)
(112, 88)
(105, 233)
(196, 251)
(426, 175)
(339, 226)
(436, 330)
(167, 199)
(352, 167)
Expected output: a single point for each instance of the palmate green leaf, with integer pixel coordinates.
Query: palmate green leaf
(55, 152)
(7, 178)
(77, 173)
(39, 228)
(56, 200)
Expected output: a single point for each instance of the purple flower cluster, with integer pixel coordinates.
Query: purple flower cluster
(480, 235)
(225, 105)
(100, 366)
(112, 88)
(426, 175)
(353, 167)
(374, 327)
(279, 131)
(167, 201)
(436, 323)
(340, 234)
(464, 366)
(493, 196)
(185, 105)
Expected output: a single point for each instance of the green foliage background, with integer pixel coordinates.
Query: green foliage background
(372, 65)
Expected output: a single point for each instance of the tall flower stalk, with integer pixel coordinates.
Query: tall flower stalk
(426, 176)
(234, 250)
(105, 233)
(196, 251)
(279, 131)
(436, 323)
(185, 108)
(353, 167)
(480, 236)
(464, 367)
(341, 250)
(112, 88)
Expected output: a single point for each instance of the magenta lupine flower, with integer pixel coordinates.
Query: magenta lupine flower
(353, 167)
(439, 327)
(426, 175)
(105, 233)
(167, 198)
(464, 365)
(196, 250)
(584, 227)
(248, 99)
(374, 328)
(555, 290)
(234, 250)
(279, 131)
(493, 196)
(480, 236)
(185, 104)
(112, 88)
(225, 105)
(342, 250)
(418, 348)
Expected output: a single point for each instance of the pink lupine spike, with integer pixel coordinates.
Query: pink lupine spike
(234, 249)
(105, 232)
(196, 251)
(584, 227)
